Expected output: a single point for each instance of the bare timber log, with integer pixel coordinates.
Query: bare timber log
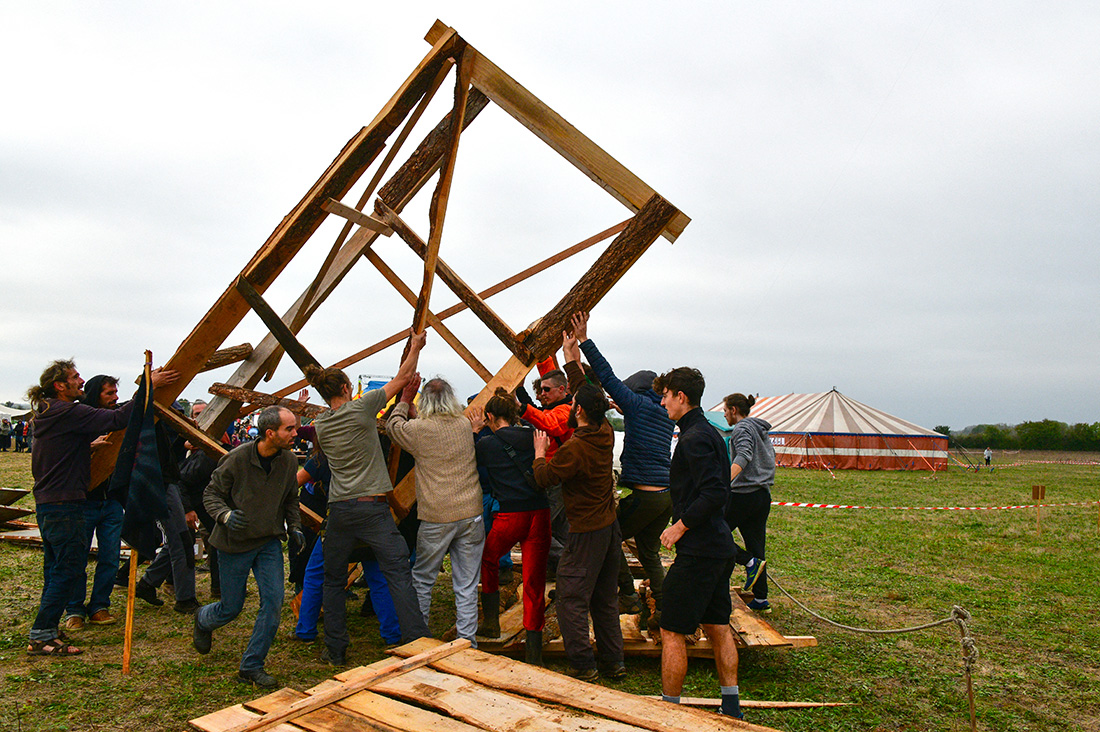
(260, 400)
(226, 356)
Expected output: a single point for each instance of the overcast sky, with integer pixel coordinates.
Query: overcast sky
(901, 200)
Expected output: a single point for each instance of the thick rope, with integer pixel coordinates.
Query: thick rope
(959, 616)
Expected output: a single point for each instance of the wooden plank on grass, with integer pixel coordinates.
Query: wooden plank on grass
(488, 708)
(230, 717)
(520, 678)
(387, 713)
(346, 689)
(11, 513)
(694, 701)
(752, 629)
(8, 496)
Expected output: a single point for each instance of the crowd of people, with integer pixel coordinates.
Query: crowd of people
(512, 472)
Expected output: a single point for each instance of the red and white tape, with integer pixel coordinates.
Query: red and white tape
(792, 504)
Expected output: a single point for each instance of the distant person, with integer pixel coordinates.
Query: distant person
(61, 464)
(253, 497)
(448, 495)
(752, 474)
(988, 456)
(588, 572)
(5, 435)
(697, 586)
(20, 431)
(644, 512)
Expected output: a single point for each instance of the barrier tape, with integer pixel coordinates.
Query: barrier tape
(792, 504)
(1037, 462)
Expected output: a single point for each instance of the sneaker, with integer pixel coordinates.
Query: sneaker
(201, 639)
(74, 622)
(760, 606)
(752, 574)
(148, 593)
(187, 606)
(259, 677)
(102, 617)
(583, 674)
(615, 673)
(630, 604)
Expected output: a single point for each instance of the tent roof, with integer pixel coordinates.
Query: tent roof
(14, 413)
(830, 412)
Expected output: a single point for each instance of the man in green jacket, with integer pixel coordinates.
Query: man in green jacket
(252, 495)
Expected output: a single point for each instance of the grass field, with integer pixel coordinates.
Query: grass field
(1035, 600)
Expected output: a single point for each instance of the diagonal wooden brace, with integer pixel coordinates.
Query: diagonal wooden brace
(275, 324)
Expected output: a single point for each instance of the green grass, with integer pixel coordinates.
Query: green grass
(1035, 600)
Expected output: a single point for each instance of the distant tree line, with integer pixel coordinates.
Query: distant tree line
(1045, 435)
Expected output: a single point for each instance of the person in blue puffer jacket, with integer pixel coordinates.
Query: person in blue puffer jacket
(645, 511)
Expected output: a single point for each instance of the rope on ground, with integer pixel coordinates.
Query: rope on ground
(959, 616)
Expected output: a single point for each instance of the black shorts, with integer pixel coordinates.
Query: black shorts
(696, 592)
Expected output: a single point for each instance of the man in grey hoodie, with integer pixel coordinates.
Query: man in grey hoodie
(752, 474)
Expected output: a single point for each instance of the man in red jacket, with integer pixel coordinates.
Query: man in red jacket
(552, 391)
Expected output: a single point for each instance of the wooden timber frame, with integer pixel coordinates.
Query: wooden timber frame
(444, 688)
(478, 82)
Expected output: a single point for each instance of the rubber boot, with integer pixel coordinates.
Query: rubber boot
(490, 611)
(533, 647)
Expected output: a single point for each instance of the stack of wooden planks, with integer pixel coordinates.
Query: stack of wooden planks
(454, 688)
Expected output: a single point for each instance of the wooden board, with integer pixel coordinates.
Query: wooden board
(9, 496)
(12, 513)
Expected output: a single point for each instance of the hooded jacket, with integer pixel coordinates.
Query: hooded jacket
(61, 455)
(583, 467)
(647, 443)
(752, 450)
(502, 476)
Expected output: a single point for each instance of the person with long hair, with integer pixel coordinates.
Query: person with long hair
(505, 456)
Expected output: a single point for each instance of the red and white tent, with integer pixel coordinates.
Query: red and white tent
(829, 430)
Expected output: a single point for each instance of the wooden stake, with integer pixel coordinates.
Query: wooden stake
(374, 676)
(131, 597)
(1038, 494)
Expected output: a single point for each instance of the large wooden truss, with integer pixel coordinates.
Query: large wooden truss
(478, 81)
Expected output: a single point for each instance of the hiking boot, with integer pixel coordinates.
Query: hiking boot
(147, 592)
(102, 617)
(630, 604)
(187, 606)
(74, 622)
(490, 610)
(336, 658)
(760, 606)
(752, 574)
(583, 674)
(532, 647)
(259, 677)
(614, 673)
(201, 639)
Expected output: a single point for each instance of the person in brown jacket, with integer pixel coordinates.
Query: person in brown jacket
(587, 581)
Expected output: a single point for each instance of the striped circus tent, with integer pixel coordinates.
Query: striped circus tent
(830, 430)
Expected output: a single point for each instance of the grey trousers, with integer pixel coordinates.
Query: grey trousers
(588, 582)
(464, 540)
(176, 556)
(351, 523)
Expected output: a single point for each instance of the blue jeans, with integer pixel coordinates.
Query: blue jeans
(104, 520)
(64, 554)
(464, 540)
(266, 565)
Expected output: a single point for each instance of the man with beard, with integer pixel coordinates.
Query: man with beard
(253, 496)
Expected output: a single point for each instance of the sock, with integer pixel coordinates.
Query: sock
(673, 699)
(731, 702)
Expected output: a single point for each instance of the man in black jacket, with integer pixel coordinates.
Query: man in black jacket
(697, 586)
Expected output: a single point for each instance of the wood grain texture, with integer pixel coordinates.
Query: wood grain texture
(297, 352)
(544, 338)
(261, 400)
(227, 356)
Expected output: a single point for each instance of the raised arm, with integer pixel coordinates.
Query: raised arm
(408, 366)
